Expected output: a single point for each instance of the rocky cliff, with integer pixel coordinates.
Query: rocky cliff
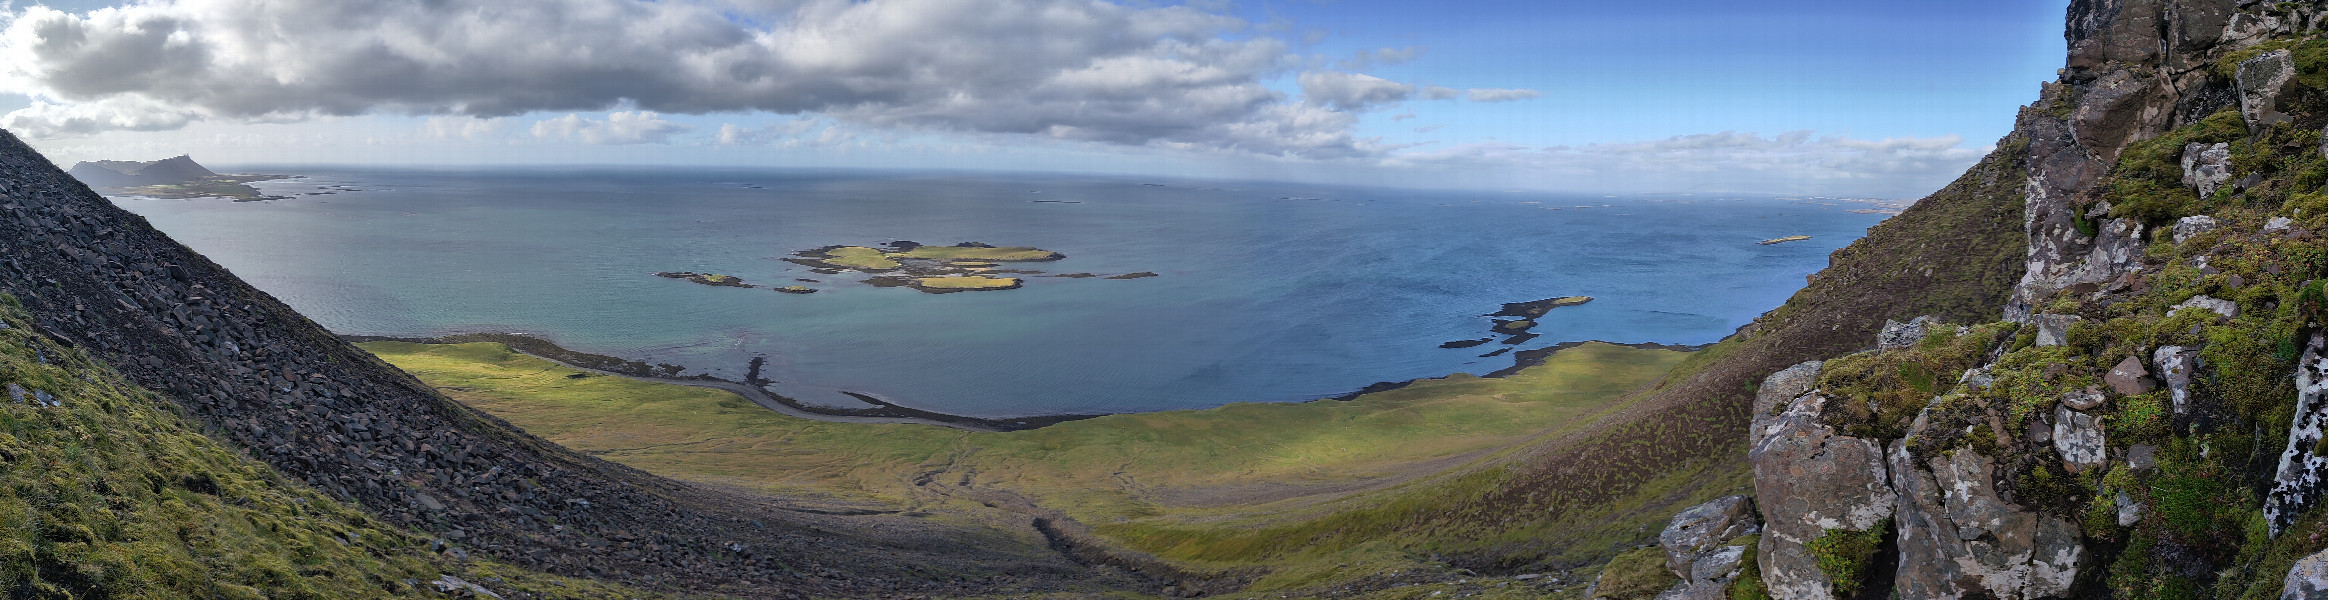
(2145, 420)
(265, 380)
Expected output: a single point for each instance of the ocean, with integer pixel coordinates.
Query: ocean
(1265, 292)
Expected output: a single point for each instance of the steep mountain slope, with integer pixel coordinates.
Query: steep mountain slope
(1578, 495)
(2145, 419)
(255, 374)
(103, 493)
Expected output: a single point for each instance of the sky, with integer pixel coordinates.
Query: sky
(1844, 98)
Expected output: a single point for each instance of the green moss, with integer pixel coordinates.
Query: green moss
(2139, 419)
(2227, 67)
(1749, 586)
(1636, 575)
(2147, 184)
(1847, 556)
(1882, 391)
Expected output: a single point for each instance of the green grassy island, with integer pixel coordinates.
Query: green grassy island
(963, 267)
(965, 283)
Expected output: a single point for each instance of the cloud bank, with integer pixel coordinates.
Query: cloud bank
(1792, 162)
(1169, 76)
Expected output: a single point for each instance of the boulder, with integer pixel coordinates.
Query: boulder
(2308, 579)
(2078, 438)
(2205, 168)
(2129, 378)
(2053, 330)
(1976, 378)
(1712, 576)
(1776, 392)
(2298, 483)
(1897, 335)
(1959, 539)
(2261, 81)
(2226, 308)
(2142, 457)
(2247, 29)
(2129, 511)
(1702, 528)
(2175, 364)
(2191, 226)
(1808, 480)
(2085, 399)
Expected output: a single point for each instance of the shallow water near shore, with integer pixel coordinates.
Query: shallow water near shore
(1266, 292)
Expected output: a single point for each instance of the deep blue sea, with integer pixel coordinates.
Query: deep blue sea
(1268, 292)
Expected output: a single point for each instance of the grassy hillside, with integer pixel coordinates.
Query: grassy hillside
(1577, 496)
(105, 494)
(1238, 485)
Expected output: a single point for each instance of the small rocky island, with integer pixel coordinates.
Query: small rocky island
(170, 178)
(1791, 238)
(711, 279)
(1524, 318)
(963, 267)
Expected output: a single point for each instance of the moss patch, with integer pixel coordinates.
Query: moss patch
(1636, 575)
(1847, 556)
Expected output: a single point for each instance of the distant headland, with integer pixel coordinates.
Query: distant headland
(174, 177)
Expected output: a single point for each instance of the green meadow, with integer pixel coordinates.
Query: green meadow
(1207, 489)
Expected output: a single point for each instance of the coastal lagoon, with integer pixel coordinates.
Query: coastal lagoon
(1264, 292)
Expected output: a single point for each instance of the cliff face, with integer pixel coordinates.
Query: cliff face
(2146, 418)
(265, 379)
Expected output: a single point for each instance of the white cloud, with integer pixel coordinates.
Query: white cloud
(624, 127)
(1131, 74)
(45, 120)
(443, 127)
(1351, 91)
(1792, 162)
(1499, 95)
(731, 134)
(1432, 92)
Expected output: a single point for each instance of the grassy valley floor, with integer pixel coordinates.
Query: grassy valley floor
(1225, 490)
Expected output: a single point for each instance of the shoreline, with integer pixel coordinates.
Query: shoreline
(885, 411)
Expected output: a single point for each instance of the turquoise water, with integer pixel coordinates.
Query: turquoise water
(1268, 292)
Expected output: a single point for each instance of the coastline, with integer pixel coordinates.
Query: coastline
(885, 411)
(1520, 360)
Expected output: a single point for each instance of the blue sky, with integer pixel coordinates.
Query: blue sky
(1622, 71)
(1886, 99)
